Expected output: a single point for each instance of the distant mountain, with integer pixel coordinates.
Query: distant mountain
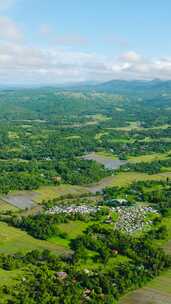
(137, 85)
(155, 86)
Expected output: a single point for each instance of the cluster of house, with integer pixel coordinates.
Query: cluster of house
(132, 219)
(82, 209)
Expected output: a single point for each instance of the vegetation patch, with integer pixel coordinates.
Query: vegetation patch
(4, 207)
(14, 240)
(52, 192)
(147, 158)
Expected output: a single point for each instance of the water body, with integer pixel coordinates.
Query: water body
(109, 163)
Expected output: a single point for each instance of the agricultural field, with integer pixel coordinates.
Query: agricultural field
(9, 277)
(148, 157)
(129, 127)
(126, 178)
(106, 154)
(4, 206)
(72, 230)
(158, 291)
(51, 192)
(14, 240)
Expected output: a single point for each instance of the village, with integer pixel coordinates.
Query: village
(132, 219)
(129, 219)
(73, 209)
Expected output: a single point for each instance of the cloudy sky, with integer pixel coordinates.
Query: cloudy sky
(63, 41)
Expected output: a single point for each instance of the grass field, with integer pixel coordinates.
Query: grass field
(57, 240)
(123, 140)
(6, 207)
(148, 157)
(43, 193)
(106, 154)
(72, 229)
(100, 117)
(158, 291)
(73, 137)
(121, 179)
(126, 178)
(50, 192)
(131, 126)
(162, 283)
(133, 159)
(9, 277)
(136, 125)
(14, 240)
(149, 139)
(99, 135)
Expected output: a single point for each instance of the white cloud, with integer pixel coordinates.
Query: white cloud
(25, 64)
(30, 65)
(9, 30)
(44, 65)
(135, 66)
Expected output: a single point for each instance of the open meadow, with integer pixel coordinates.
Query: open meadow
(14, 240)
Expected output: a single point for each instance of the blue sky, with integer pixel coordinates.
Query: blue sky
(51, 41)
